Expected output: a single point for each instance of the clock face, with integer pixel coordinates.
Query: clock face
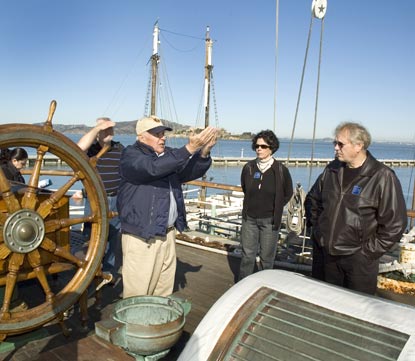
(318, 8)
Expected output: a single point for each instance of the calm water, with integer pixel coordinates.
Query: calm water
(299, 149)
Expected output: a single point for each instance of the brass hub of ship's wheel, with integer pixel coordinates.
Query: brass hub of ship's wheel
(23, 231)
(38, 263)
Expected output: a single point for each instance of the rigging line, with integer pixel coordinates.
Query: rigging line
(316, 104)
(169, 94)
(200, 107)
(180, 50)
(301, 87)
(409, 188)
(134, 64)
(212, 83)
(276, 63)
(184, 35)
(215, 109)
(120, 104)
(147, 100)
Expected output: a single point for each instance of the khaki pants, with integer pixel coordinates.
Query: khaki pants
(148, 267)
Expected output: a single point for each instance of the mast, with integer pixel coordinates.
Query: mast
(208, 74)
(154, 68)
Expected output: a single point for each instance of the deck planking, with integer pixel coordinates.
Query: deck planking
(201, 277)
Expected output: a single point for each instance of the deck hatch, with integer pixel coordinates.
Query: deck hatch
(275, 326)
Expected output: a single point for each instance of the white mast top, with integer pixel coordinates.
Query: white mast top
(209, 44)
(208, 70)
(156, 32)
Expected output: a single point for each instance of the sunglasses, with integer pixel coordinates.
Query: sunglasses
(158, 134)
(262, 146)
(340, 144)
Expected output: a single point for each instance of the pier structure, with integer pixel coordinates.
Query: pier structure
(53, 160)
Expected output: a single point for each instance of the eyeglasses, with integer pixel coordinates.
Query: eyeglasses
(340, 144)
(262, 146)
(157, 134)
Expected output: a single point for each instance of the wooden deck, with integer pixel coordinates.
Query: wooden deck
(202, 277)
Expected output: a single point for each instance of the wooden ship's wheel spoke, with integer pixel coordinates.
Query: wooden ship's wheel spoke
(9, 198)
(36, 227)
(36, 263)
(50, 246)
(4, 251)
(3, 218)
(57, 224)
(30, 198)
(47, 205)
(15, 263)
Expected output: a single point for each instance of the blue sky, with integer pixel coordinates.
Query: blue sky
(92, 57)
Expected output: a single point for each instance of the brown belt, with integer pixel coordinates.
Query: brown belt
(169, 229)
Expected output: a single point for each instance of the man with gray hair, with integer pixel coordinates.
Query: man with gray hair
(151, 205)
(357, 212)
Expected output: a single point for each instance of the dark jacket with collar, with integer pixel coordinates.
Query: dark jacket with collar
(369, 215)
(283, 191)
(144, 195)
(11, 172)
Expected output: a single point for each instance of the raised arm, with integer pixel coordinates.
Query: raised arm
(86, 141)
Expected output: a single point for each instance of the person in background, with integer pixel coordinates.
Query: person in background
(13, 162)
(357, 211)
(151, 205)
(108, 168)
(267, 187)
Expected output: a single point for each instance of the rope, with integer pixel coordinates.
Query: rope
(413, 193)
(301, 87)
(316, 97)
(148, 95)
(316, 104)
(296, 210)
(198, 119)
(215, 110)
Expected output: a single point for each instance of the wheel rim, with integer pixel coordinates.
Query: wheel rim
(26, 229)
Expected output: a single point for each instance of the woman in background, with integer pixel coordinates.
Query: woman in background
(13, 162)
(267, 187)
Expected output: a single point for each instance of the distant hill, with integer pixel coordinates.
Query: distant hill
(122, 127)
(179, 130)
(128, 128)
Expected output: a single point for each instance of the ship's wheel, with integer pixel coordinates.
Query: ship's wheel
(35, 231)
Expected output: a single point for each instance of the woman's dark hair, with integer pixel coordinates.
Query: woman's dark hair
(18, 154)
(269, 137)
(4, 155)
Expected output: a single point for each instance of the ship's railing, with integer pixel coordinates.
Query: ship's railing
(52, 160)
(204, 185)
(212, 221)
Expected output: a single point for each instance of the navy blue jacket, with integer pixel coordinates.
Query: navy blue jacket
(144, 195)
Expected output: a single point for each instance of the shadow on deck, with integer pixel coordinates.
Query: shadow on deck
(201, 277)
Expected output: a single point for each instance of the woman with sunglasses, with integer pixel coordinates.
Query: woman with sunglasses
(267, 187)
(13, 162)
